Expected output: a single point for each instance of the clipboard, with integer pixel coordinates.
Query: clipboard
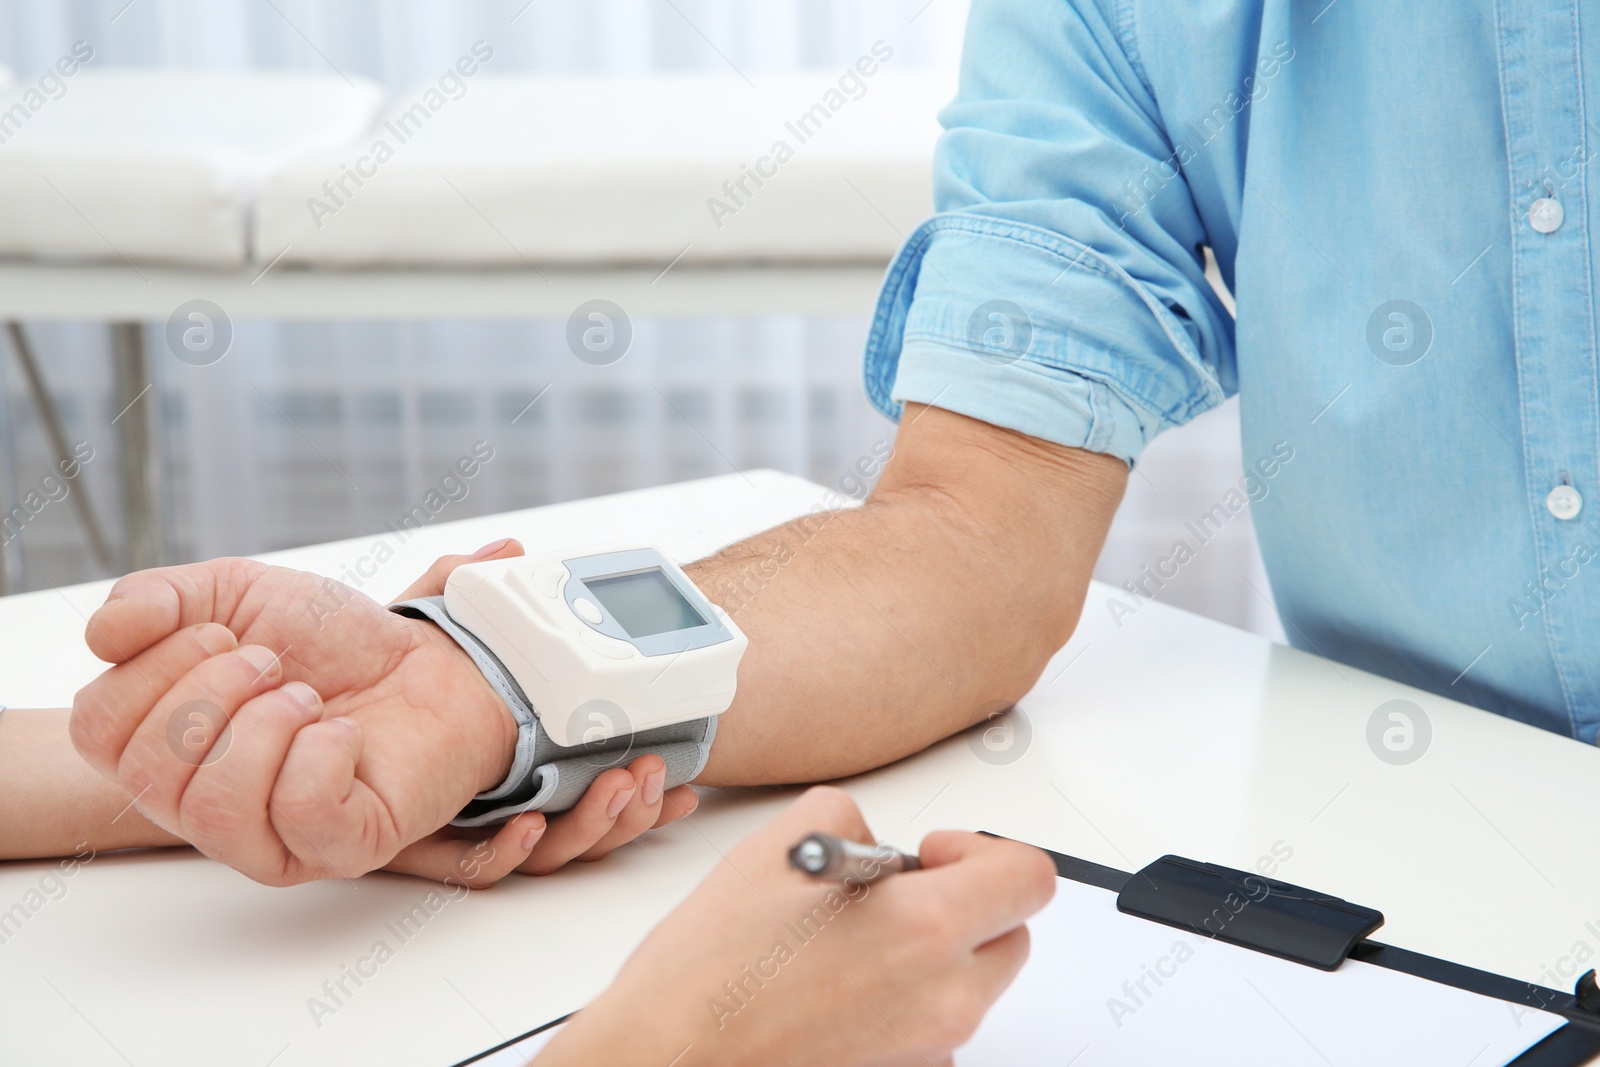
(1322, 931)
(1277, 919)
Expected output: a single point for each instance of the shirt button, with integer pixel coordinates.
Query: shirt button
(1564, 502)
(1545, 215)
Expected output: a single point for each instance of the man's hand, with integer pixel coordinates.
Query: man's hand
(295, 729)
(855, 659)
(898, 972)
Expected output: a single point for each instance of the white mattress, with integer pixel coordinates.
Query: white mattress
(615, 169)
(163, 166)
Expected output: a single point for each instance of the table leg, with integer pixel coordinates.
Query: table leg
(51, 417)
(10, 571)
(138, 457)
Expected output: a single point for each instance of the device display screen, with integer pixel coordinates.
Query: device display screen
(645, 602)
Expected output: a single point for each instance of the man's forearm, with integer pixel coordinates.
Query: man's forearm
(879, 630)
(52, 803)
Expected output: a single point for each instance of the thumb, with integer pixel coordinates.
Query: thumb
(145, 606)
(324, 814)
(432, 582)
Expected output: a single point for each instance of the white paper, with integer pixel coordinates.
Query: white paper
(1104, 989)
(520, 1054)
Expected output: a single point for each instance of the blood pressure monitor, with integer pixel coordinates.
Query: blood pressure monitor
(618, 641)
(600, 657)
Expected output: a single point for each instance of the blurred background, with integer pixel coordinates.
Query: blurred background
(316, 429)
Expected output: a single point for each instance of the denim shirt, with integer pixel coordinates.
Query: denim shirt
(1398, 196)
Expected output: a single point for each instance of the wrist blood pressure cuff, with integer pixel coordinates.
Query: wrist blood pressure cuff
(546, 776)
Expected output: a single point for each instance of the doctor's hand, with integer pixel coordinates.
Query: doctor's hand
(763, 965)
(295, 729)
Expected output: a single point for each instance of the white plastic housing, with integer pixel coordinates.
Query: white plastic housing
(587, 680)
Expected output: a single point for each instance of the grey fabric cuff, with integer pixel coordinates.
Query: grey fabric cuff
(546, 776)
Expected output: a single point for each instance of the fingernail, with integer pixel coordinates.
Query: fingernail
(304, 695)
(490, 549)
(531, 835)
(215, 639)
(619, 802)
(261, 658)
(654, 783)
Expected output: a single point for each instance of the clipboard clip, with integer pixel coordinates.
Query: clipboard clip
(1249, 910)
(1587, 992)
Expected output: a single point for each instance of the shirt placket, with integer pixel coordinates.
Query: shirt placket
(1541, 81)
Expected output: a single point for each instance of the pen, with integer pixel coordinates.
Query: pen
(824, 856)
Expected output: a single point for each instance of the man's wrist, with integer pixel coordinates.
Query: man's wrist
(500, 740)
(492, 729)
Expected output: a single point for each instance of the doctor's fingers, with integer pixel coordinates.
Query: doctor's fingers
(433, 579)
(474, 861)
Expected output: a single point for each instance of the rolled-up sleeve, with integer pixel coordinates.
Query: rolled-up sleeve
(1060, 291)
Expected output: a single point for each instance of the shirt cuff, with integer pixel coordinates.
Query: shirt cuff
(1025, 329)
(1051, 405)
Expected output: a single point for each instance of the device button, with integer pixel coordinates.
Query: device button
(607, 646)
(547, 579)
(587, 611)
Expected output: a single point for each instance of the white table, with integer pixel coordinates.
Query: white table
(1170, 734)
